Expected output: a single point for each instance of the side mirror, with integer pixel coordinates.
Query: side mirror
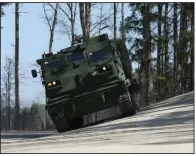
(34, 73)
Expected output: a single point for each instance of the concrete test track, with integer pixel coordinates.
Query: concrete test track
(165, 127)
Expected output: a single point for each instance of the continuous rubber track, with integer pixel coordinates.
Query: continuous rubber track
(164, 127)
(125, 105)
(61, 124)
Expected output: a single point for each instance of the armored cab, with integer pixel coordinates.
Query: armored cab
(86, 78)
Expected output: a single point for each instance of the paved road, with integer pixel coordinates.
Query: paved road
(165, 127)
(8, 137)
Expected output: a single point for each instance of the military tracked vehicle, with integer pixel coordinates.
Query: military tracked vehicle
(85, 78)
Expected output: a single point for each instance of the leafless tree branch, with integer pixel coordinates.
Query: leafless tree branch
(46, 16)
(65, 13)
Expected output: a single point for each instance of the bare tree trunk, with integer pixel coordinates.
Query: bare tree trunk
(179, 65)
(115, 10)
(185, 45)
(192, 51)
(123, 26)
(166, 37)
(17, 105)
(147, 54)
(82, 20)
(100, 16)
(175, 28)
(73, 16)
(159, 50)
(87, 17)
(8, 100)
(182, 50)
(53, 27)
(166, 64)
(72, 23)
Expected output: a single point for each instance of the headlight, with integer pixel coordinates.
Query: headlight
(54, 83)
(49, 84)
(104, 68)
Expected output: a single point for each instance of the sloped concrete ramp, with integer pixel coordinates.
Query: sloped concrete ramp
(165, 127)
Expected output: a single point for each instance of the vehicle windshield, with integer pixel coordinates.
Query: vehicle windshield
(75, 57)
(54, 64)
(98, 56)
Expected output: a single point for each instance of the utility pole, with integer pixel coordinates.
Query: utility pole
(17, 106)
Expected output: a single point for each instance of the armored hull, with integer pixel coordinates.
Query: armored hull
(87, 78)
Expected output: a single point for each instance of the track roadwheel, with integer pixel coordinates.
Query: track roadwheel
(60, 124)
(126, 105)
(58, 119)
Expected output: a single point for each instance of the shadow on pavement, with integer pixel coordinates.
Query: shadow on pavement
(150, 129)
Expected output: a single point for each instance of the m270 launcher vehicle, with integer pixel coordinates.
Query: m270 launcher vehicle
(85, 78)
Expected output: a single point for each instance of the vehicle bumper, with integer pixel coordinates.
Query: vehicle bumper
(67, 99)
